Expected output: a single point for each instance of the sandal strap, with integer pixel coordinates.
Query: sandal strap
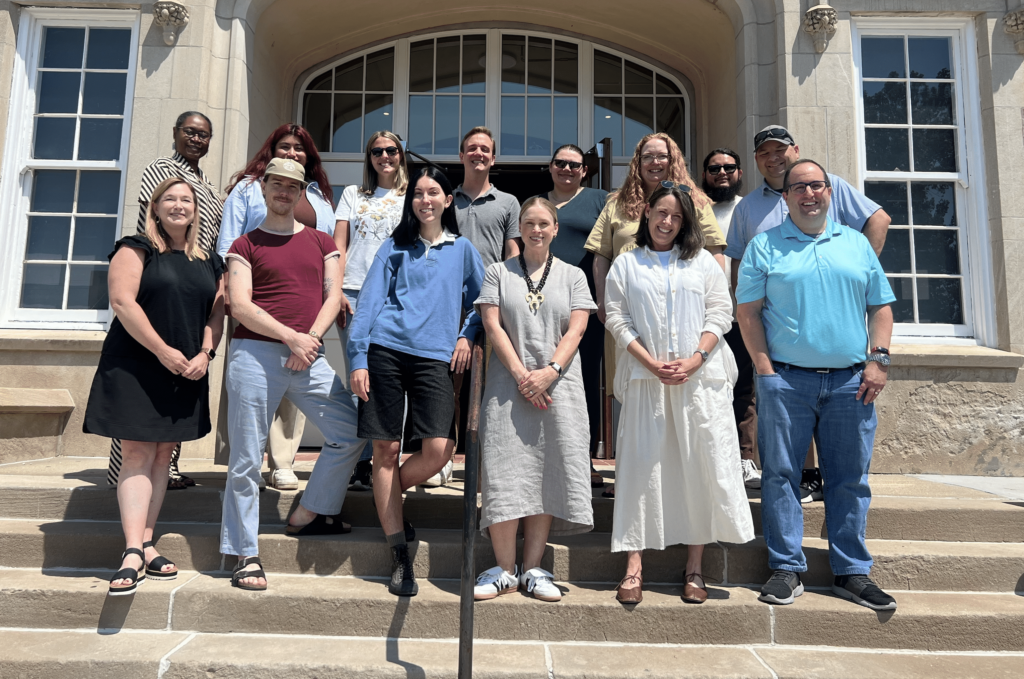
(147, 545)
(134, 550)
(158, 563)
(242, 563)
(126, 574)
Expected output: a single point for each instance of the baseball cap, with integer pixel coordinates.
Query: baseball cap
(773, 133)
(284, 167)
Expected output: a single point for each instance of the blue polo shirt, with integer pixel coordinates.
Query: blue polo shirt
(816, 292)
(764, 208)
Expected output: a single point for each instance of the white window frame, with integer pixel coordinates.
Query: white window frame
(972, 207)
(18, 165)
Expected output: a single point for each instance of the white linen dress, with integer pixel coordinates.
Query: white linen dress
(677, 474)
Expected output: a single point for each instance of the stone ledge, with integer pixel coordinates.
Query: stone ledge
(36, 401)
(952, 356)
(52, 340)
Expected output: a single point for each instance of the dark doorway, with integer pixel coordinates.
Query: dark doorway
(522, 181)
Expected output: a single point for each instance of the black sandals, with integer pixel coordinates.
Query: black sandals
(153, 568)
(238, 574)
(320, 525)
(135, 575)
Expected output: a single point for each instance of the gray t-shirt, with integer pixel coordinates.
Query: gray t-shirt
(488, 221)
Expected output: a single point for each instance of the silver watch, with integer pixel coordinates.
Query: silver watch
(880, 358)
(557, 368)
(703, 355)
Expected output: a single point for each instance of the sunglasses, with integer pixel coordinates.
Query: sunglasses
(571, 164)
(672, 185)
(377, 152)
(779, 133)
(715, 169)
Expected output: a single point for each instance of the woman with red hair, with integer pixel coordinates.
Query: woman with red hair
(244, 210)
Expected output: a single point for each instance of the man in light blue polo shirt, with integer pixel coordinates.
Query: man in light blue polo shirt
(804, 290)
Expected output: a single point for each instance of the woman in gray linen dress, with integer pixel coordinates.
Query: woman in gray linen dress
(536, 440)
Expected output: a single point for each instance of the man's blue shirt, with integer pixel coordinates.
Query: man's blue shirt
(816, 292)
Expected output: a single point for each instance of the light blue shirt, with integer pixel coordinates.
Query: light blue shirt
(245, 209)
(816, 292)
(764, 208)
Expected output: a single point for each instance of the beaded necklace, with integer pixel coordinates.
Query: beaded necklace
(534, 297)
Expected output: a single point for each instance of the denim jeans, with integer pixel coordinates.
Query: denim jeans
(257, 381)
(792, 406)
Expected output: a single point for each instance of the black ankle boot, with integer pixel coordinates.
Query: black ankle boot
(403, 582)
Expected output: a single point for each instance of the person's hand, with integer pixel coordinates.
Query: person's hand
(654, 367)
(872, 381)
(359, 380)
(304, 346)
(173, 360)
(536, 382)
(766, 369)
(462, 355)
(679, 371)
(296, 363)
(197, 366)
(600, 312)
(346, 309)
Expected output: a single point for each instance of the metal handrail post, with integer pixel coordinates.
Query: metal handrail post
(469, 514)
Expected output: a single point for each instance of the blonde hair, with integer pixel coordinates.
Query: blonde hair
(155, 231)
(631, 198)
(539, 201)
(370, 183)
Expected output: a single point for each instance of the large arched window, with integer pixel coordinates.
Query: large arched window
(534, 91)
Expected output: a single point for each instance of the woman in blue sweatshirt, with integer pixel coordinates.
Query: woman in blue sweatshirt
(407, 341)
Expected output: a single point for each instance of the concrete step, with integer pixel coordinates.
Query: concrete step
(899, 564)
(362, 607)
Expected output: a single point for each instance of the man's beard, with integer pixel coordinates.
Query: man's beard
(722, 194)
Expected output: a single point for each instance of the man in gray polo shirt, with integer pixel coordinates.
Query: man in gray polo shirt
(489, 218)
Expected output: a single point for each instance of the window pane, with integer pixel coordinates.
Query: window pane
(539, 72)
(538, 133)
(936, 251)
(104, 93)
(448, 64)
(607, 73)
(513, 64)
(421, 124)
(316, 118)
(94, 239)
(53, 191)
(639, 119)
(63, 47)
(608, 121)
(666, 86)
(88, 287)
(567, 67)
(348, 121)
(934, 203)
(446, 124)
(639, 80)
(48, 237)
(109, 48)
(380, 71)
(379, 112)
(670, 119)
(58, 92)
(349, 76)
(885, 103)
(892, 196)
(939, 300)
(903, 307)
(474, 64)
(324, 81)
(895, 257)
(932, 103)
(929, 57)
(513, 124)
(887, 149)
(473, 114)
(43, 287)
(55, 138)
(421, 66)
(98, 192)
(882, 58)
(100, 139)
(935, 150)
(566, 121)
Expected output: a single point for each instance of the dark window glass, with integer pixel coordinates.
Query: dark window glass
(58, 92)
(936, 251)
(882, 58)
(473, 114)
(671, 119)
(566, 121)
(538, 131)
(98, 192)
(53, 191)
(379, 112)
(608, 121)
(567, 67)
(43, 286)
(316, 118)
(421, 124)
(607, 73)
(348, 123)
(885, 103)
(380, 71)
(48, 237)
(513, 125)
(474, 64)
(349, 77)
(100, 139)
(63, 47)
(104, 93)
(324, 81)
(935, 150)
(930, 58)
(903, 307)
(94, 238)
(666, 86)
(446, 125)
(109, 48)
(421, 66)
(448, 65)
(932, 103)
(940, 300)
(892, 196)
(55, 138)
(639, 80)
(539, 70)
(887, 149)
(895, 257)
(513, 64)
(87, 288)
(934, 203)
(639, 119)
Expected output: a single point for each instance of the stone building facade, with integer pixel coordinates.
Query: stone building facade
(918, 102)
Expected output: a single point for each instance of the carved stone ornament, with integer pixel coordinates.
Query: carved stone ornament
(172, 16)
(820, 23)
(1013, 24)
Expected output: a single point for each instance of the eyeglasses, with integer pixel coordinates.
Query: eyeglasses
(195, 134)
(672, 185)
(715, 169)
(571, 164)
(780, 133)
(378, 151)
(801, 187)
(648, 158)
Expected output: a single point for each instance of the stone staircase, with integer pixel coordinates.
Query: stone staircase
(953, 557)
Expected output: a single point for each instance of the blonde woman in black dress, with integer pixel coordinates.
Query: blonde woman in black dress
(151, 387)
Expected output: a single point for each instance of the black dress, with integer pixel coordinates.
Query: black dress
(133, 395)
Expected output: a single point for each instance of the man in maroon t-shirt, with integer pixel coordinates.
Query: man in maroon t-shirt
(285, 286)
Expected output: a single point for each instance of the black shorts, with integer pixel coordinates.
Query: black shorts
(428, 384)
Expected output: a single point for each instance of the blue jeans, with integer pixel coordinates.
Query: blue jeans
(257, 381)
(792, 406)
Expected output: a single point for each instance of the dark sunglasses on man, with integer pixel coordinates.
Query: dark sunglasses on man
(377, 152)
(571, 164)
(715, 169)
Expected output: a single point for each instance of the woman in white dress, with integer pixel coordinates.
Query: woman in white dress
(678, 477)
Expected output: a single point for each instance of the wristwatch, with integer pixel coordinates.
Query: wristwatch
(703, 355)
(210, 353)
(557, 368)
(316, 336)
(879, 357)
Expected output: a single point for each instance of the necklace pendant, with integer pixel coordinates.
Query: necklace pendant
(534, 300)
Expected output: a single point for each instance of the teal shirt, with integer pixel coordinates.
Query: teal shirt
(816, 293)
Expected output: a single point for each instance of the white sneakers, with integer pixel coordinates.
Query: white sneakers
(541, 584)
(283, 479)
(751, 475)
(496, 581)
(441, 478)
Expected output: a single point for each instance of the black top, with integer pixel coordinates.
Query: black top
(576, 220)
(177, 295)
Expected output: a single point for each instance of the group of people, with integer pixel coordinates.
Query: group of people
(414, 273)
